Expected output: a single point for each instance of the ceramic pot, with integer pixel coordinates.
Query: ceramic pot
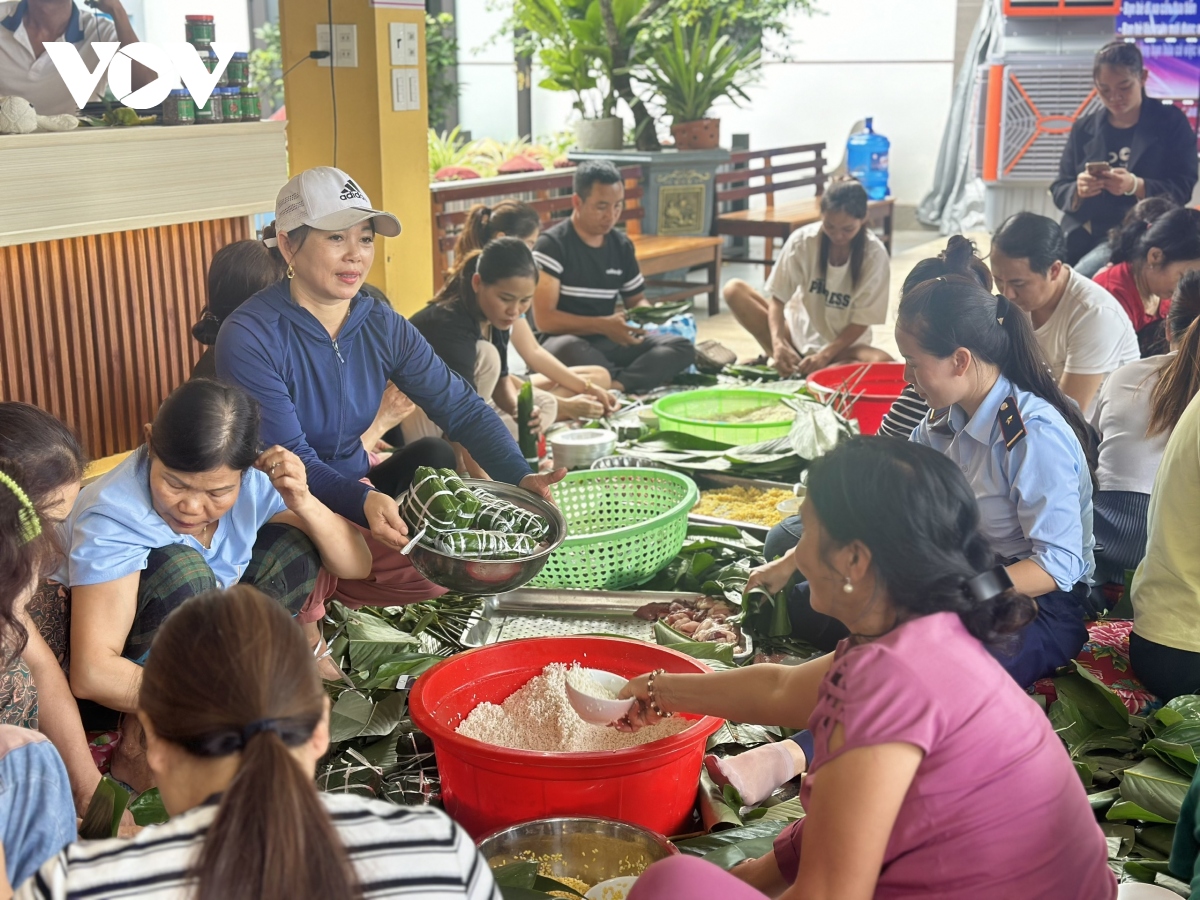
(703, 134)
(600, 134)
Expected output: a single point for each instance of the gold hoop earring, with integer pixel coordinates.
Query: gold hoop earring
(291, 272)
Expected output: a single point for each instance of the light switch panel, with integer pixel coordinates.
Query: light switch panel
(414, 88)
(399, 90)
(396, 42)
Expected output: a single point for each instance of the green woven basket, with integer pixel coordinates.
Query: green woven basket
(623, 526)
(699, 413)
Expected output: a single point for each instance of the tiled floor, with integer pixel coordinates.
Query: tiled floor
(909, 248)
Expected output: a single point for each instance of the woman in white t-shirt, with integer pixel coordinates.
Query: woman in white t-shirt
(1083, 331)
(1135, 413)
(828, 287)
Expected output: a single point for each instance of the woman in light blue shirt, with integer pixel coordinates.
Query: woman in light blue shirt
(997, 412)
(198, 506)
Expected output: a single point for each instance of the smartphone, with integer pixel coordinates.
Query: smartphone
(1096, 169)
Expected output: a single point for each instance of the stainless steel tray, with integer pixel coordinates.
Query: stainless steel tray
(716, 479)
(539, 612)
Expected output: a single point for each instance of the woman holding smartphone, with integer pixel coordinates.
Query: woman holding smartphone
(1131, 148)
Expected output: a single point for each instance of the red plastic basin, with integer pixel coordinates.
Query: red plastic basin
(486, 788)
(879, 386)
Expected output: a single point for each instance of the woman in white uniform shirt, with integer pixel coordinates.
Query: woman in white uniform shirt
(828, 287)
(1135, 413)
(26, 70)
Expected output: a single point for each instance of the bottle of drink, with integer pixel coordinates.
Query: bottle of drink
(867, 160)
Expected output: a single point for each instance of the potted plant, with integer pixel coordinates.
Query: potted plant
(567, 41)
(690, 73)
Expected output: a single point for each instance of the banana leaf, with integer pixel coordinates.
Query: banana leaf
(695, 379)
(1177, 746)
(355, 715)
(1120, 839)
(148, 808)
(728, 848)
(744, 735)
(1126, 811)
(764, 614)
(373, 641)
(103, 816)
(387, 674)
(524, 877)
(1156, 788)
(787, 811)
(717, 811)
(1102, 800)
(709, 651)
(659, 313)
(752, 373)
(1158, 838)
(1182, 709)
(1088, 716)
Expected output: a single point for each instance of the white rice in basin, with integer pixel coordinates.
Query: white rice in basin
(539, 716)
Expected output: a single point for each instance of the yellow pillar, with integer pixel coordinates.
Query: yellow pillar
(383, 150)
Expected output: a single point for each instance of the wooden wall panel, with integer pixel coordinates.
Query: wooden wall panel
(97, 329)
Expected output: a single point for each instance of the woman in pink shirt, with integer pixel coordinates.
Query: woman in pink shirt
(933, 774)
(1148, 259)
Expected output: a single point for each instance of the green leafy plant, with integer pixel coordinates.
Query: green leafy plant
(441, 56)
(448, 149)
(266, 68)
(558, 36)
(689, 73)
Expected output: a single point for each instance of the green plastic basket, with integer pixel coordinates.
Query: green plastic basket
(623, 526)
(693, 412)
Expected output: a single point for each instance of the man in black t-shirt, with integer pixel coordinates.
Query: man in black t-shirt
(586, 266)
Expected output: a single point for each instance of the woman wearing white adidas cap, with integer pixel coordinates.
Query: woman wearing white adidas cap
(317, 352)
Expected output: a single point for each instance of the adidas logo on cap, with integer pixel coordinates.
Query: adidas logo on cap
(350, 191)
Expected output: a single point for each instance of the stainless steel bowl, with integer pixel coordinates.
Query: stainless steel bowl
(492, 576)
(592, 850)
(580, 447)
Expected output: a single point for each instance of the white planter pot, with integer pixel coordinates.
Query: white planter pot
(600, 134)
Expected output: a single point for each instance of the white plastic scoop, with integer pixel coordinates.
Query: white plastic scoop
(597, 710)
(613, 889)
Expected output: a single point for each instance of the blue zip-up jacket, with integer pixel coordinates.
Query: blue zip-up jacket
(319, 395)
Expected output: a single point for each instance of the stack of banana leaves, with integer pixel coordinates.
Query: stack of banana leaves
(815, 431)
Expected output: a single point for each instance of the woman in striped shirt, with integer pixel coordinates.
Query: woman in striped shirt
(235, 720)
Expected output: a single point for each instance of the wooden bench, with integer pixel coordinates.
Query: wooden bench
(550, 194)
(805, 166)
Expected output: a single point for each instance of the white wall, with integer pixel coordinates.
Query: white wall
(159, 21)
(891, 59)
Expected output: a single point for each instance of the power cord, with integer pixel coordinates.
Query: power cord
(332, 83)
(312, 54)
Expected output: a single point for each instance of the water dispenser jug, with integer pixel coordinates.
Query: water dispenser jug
(867, 160)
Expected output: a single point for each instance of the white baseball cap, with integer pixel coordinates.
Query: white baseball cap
(328, 199)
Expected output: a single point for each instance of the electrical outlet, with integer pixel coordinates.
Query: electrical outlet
(411, 45)
(343, 48)
(345, 45)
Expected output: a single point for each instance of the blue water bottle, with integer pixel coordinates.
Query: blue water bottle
(867, 160)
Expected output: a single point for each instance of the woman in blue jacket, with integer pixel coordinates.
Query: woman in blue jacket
(317, 352)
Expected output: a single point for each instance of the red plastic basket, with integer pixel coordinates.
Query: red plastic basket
(879, 386)
(486, 788)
